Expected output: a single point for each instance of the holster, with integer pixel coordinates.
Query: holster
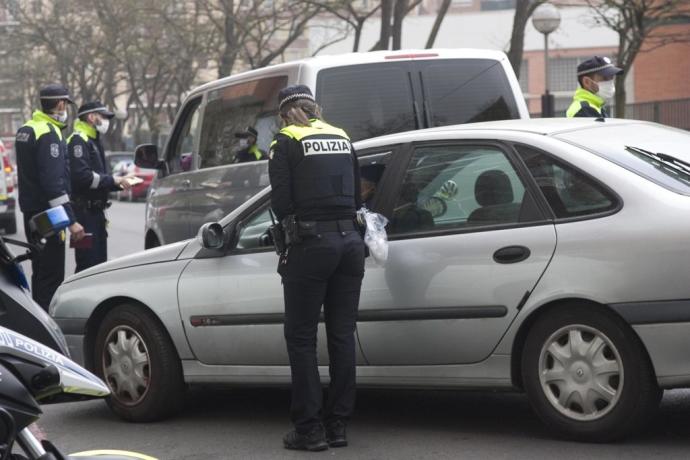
(278, 236)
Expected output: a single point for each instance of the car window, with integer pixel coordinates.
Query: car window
(184, 138)
(620, 144)
(467, 91)
(569, 192)
(458, 187)
(253, 232)
(231, 110)
(367, 100)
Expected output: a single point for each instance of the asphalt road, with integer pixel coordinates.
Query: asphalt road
(248, 423)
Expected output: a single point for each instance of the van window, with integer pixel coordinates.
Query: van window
(230, 110)
(367, 100)
(184, 138)
(467, 91)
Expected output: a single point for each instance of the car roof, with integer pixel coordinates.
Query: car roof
(539, 126)
(338, 60)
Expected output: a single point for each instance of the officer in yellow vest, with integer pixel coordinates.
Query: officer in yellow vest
(596, 87)
(315, 183)
(44, 183)
(91, 182)
(249, 151)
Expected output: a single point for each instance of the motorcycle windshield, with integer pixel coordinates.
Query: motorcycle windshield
(74, 379)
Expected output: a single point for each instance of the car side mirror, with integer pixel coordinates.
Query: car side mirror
(212, 236)
(146, 156)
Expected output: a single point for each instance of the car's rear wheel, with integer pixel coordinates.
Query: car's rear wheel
(138, 362)
(587, 375)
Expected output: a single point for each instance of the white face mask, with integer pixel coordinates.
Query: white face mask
(244, 143)
(60, 116)
(607, 89)
(103, 127)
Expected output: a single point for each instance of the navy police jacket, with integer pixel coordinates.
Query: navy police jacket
(90, 178)
(42, 166)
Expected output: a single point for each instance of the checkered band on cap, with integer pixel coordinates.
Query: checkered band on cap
(295, 97)
(595, 69)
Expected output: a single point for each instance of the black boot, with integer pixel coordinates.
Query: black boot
(335, 434)
(313, 441)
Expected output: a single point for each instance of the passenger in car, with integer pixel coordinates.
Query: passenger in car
(408, 217)
(370, 175)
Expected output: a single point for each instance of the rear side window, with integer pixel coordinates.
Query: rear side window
(467, 91)
(367, 100)
(569, 192)
(230, 110)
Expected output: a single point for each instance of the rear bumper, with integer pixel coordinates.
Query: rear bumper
(664, 328)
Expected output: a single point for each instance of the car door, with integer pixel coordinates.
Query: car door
(232, 306)
(168, 202)
(468, 242)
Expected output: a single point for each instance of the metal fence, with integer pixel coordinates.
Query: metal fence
(674, 113)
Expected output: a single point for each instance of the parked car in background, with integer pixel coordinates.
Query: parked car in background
(8, 217)
(138, 191)
(549, 256)
(366, 94)
(112, 158)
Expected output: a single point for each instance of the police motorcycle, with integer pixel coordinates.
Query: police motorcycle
(35, 368)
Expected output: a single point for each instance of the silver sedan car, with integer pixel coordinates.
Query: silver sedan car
(546, 256)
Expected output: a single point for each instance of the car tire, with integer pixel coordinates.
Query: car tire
(587, 374)
(145, 375)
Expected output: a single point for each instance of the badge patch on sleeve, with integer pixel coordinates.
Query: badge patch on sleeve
(326, 146)
(54, 150)
(23, 137)
(78, 152)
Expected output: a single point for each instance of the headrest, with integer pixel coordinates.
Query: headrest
(492, 188)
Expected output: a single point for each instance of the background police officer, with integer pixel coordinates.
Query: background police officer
(44, 183)
(91, 181)
(249, 151)
(314, 177)
(595, 77)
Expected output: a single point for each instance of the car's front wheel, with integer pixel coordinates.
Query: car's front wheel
(138, 362)
(587, 375)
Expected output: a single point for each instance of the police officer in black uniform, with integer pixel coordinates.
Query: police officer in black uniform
(315, 183)
(249, 151)
(91, 181)
(43, 172)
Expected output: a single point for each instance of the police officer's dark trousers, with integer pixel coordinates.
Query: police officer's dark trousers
(326, 271)
(48, 266)
(94, 222)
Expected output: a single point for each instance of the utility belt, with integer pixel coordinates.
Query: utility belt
(92, 205)
(292, 231)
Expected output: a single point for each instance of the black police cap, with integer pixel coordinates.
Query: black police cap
(248, 131)
(55, 91)
(294, 93)
(95, 107)
(597, 64)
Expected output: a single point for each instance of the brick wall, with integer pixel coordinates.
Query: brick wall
(664, 73)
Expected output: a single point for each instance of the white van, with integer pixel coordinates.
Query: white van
(366, 94)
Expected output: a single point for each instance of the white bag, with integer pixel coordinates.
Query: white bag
(375, 236)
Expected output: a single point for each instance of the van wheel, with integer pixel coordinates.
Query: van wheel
(138, 362)
(587, 375)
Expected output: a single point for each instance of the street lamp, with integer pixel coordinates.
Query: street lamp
(546, 18)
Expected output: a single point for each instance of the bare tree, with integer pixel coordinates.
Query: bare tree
(523, 11)
(393, 13)
(440, 16)
(348, 11)
(640, 28)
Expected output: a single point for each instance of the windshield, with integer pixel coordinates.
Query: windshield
(655, 152)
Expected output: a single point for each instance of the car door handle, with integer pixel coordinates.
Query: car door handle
(511, 254)
(186, 183)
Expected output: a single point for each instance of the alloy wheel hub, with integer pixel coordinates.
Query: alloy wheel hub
(126, 365)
